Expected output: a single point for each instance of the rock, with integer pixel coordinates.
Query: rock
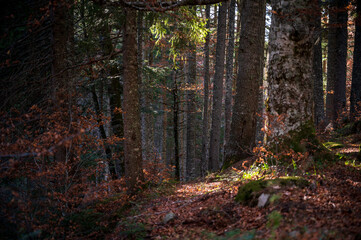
(294, 234)
(262, 200)
(168, 217)
(313, 186)
(248, 194)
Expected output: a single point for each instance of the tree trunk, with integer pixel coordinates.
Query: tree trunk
(336, 60)
(355, 98)
(319, 113)
(229, 71)
(251, 55)
(290, 68)
(331, 64)
(191, 112)
(62, 35)
(115, 91)
(176, 125)
(205, 125)
(341, 66)
(132, 135)
(215, 140)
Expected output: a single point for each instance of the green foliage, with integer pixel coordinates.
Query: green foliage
(190, 30)
(274, 198)
(333, 145)
(274, 220)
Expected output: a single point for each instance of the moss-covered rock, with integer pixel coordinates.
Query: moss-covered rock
(248, 194)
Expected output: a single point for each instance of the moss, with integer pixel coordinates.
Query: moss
(249, 193)
(303, 140)
(245, 193)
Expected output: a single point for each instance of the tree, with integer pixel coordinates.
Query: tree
(290, 68)
(215, 141)
(206, 79)
(355, 98)
(131, 105)
(250, 70)
(336, 62)
(229, 71)
(191, 111)
(319, 112)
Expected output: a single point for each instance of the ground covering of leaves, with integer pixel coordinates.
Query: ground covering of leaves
(330, 208)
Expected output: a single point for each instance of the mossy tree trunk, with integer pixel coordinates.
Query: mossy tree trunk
(290, 102)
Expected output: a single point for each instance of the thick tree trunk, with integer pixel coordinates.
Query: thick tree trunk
(191, 112)
(132, 142)
(229, 71)
(251, 55)
(205, 125)
(355, 98)
(319, 112)
(215, 140)
(290, 102)
(61, 79)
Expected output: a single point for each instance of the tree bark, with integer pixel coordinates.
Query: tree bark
(336, 63)
(61, 79)
(355, 98)
(341, 66)
(205, 125)
(319, 112)
(191, 112)
(215, 140)
(251, 57)
(290, 103)
(132, 142)
(176, 124)
(229, 71)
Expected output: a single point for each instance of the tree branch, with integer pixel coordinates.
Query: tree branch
(160, 6)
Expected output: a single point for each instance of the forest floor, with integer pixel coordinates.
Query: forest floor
(330, 208)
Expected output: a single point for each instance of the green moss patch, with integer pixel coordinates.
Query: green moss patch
(248, 194)
(304, 140)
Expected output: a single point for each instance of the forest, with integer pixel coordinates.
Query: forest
(180, 119)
